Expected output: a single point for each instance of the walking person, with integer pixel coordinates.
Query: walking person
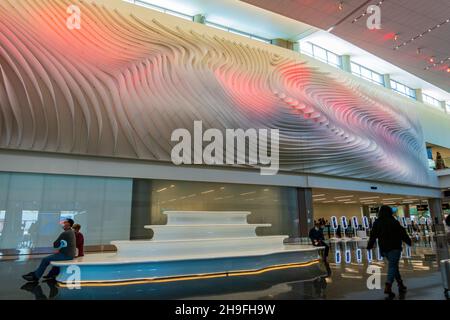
(447, 227)
(390, 235)
(66, 251)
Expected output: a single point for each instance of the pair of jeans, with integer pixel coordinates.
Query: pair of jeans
(46, 262)
(393, 257)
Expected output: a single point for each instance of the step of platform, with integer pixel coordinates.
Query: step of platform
(193, 246)
(204, 231)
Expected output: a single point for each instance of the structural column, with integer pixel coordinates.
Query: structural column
(141, 209)
(441, 247)
(406, 211)
(419, 96)
(345, 63)
(305, 211)
(387, 81)
(366, 211)
(199, 18)
(435, 206)
(443, 106)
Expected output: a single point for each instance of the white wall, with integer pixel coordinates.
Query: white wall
(326, 211)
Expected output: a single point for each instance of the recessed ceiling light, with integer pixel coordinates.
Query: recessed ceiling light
(342, 197)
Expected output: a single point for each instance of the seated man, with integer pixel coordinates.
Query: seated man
(66, 251)
(318, 240)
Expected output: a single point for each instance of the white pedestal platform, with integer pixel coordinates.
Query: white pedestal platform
(192, 244)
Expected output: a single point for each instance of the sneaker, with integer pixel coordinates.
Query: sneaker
(49, 277)
(30, 277)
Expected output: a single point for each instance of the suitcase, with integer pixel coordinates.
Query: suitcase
(445, 272)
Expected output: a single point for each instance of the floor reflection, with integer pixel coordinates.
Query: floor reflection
(344, 277)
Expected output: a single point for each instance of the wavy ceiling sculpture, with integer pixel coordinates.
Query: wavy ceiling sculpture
(120, 85)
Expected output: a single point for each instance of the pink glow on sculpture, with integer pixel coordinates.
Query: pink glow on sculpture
(130, 81)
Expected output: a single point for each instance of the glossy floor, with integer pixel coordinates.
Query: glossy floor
(346, 279)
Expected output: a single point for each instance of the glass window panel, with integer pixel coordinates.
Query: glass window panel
(355, 68)
(145, 4)
(210, 24)
(430, 100)
(366, 73)
(267, 204)
(377, 78)
(320, 53)
(403, 89)
(179, 15)
(260, 39)
(34, 205)
(307, 48)
(239, 33)
(334, 59)
(393, 85)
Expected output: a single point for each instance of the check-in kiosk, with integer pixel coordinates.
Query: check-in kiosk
(334, 225)
(344, 226)
(369, 256)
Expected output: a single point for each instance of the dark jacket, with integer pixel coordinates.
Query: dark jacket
(390, 235)
(316, 235)
(69, 237)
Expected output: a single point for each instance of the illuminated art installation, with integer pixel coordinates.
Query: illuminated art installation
(121, 84)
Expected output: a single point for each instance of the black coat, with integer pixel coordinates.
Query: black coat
(390, 235)
(316, 235)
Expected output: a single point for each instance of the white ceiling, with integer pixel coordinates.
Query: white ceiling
(334, 197)
(405, 17)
